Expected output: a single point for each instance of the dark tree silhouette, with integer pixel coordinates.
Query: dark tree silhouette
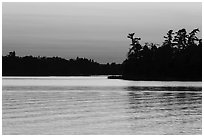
(181, 38)
(192, 37)
(13, 65)
(134, 46)
(178, 58)
(12, 54)
(169, 38)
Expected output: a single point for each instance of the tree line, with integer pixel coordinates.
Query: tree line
(55, 66)
(178, 58)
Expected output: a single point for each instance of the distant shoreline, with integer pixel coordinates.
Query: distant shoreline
(109, 77)
(151, 79)
(52, 76)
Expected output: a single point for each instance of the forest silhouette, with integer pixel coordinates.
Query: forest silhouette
(55, 66)
(178, 58)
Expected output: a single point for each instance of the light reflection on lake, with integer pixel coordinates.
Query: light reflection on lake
(96, 105)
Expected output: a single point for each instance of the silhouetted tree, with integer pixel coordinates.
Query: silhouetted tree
(12, 54)
(134, 46)
(181, 38)
(192, 37)
(169, 38)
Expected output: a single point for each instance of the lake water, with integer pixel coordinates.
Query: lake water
(97, 105)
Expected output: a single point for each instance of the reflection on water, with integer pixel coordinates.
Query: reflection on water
(177, 112)
(97, 105)
(153, 88)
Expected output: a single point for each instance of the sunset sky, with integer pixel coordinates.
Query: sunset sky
(93, 30)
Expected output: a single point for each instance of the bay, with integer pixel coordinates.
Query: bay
(97, 105)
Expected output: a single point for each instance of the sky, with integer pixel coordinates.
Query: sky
(92, 30)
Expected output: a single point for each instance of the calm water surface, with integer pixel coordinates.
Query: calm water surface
(97, 105)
